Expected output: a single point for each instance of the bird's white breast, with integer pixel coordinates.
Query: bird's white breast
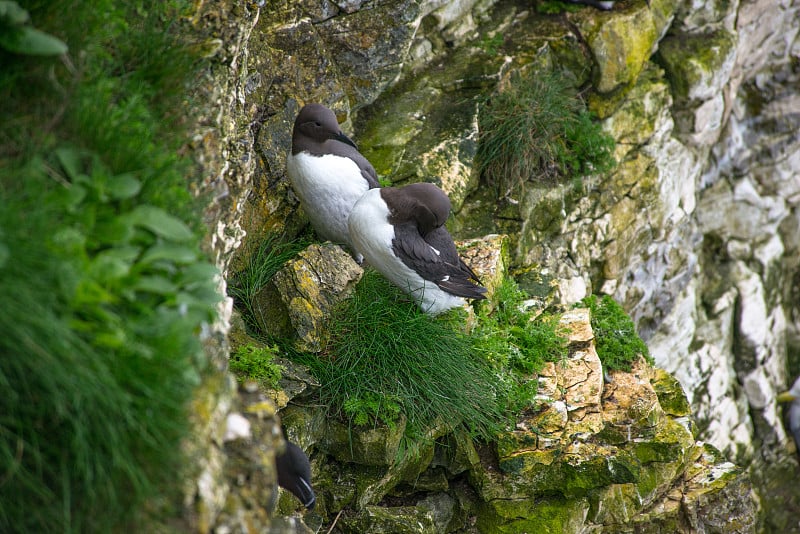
(372, 236)
(328, 187)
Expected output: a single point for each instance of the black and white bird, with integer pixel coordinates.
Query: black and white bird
(400, 231)
(294, 474)
(327, 172)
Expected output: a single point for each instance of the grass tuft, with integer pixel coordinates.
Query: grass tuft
(618, 344)
(538, 129)
(385, 357)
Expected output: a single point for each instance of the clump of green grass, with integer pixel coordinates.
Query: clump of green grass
(537, 129)
(107, 286)
(618, 344)
(256, 363)
(385, 357)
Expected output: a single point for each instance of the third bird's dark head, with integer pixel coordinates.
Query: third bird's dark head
(294, 474)
(316, 124)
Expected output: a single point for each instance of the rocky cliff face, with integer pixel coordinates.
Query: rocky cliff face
(695, 231)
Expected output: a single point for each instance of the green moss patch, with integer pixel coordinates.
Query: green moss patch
(618, 344)
(256, 363)
(517, 343)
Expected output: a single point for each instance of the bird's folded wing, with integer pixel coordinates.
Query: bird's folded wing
(423, 258)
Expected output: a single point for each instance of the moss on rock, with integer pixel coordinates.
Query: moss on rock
(697, 65)
(670, 393)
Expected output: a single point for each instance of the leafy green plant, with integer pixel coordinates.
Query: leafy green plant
(618, 344)
(19, 37)
(385, 357)
(371, 407)
(256, 363)
(518, 344)
(100, 259)
(538, 129)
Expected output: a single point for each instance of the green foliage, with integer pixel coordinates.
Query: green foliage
(262, 264)
(257, 363)
(106, 286)
(371, 407)
(385, 357)
(618, 344)
(516, 343)
(16, 36)
(538, 129)
(491, 44)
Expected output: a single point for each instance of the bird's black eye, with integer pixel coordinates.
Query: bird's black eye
(317, 123)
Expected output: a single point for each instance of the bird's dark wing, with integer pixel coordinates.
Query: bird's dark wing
(444, 269)
(368, 172)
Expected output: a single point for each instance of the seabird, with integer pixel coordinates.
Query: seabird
(400, 231)
(793, 396)
(327, 172)
(294, 474)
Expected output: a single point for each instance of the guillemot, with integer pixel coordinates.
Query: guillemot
(294, 474)
(400, 232)
(327, 172)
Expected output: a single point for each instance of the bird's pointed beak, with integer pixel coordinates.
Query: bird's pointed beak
(344, 139)
(306, 494)
(786, 396)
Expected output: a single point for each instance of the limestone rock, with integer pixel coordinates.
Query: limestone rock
(311, 285)
(295, 380)
(488, 257)
(546, 514)
(718, 497)
(621, 42)
(303, 425)
(671, 396)
(367, 446)
(456, 452)
(445, 511)
(629, 398)
(370, 45)
(402, 520)
(698, 67)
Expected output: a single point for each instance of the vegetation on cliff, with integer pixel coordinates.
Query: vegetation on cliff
(536, 128)
(618, 344)
(100, 262)
(384, 360)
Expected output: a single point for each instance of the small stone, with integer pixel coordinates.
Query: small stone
(311, 285)
(237, 427)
